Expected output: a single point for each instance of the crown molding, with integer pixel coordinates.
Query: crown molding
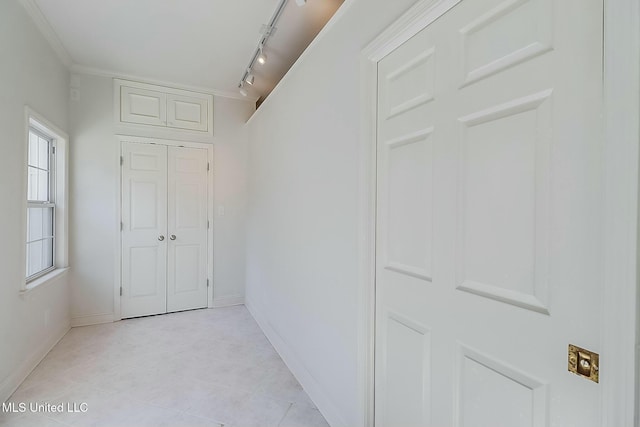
(47, 31)
(418, 17)
(82, 69)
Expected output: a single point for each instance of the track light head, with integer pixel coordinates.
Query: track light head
(301, 2)
(249, 79)
(242, 90)
(262, 58)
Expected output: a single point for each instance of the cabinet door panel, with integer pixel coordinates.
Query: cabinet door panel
(143, 106)
(186, 112)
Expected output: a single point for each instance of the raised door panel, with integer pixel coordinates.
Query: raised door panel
(142, 106)
(144, 223)
(187, 209)
(503, 240)
(187, 112)
(406, 364)
(524, 28)
(407, 240)
(491, 394)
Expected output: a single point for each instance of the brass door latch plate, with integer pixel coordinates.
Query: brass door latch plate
(584, 363)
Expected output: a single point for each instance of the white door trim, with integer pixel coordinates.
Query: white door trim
(619, 367)
(622, 135)
(117, 313)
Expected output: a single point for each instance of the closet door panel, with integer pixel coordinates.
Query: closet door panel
(144, 224)
(187, 228)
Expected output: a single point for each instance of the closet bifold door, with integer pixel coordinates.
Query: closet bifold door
(144, 225)
(187, 229)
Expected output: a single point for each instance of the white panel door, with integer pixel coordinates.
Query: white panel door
(187, 112)
(144, 225)
(489, 217)
(187, 205)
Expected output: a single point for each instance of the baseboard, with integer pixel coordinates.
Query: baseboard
(317, 394)
(92, 319)
(228, 301)
(13, 381)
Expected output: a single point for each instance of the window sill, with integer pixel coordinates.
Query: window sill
(44, 280)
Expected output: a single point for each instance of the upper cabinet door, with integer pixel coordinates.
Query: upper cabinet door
(143, 106)
(153, 111)
(187, 112)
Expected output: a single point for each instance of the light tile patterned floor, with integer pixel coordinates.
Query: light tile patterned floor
(207, 367)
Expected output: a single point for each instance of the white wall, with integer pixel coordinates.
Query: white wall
(94, 173)
(30, 74)
(231, 148)
(302, 260)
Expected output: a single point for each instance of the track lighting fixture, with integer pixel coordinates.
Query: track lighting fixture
(259, 56)
(301, 2)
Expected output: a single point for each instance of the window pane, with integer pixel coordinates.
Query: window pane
(33, 149)
(38, 185)
(34, 258)
(43, 154)
(47, 222)
(32, 184)
(47, 254)
(34, 219)
(43, 186)
(39, 256)
(39, 223)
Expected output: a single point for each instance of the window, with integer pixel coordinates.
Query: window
(46, 217)
(41, 208)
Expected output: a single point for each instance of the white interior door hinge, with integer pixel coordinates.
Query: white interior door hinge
(121, 160)
(207, 283)
(120, 290)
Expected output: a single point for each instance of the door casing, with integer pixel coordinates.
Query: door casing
(619, 358)
(117, 314)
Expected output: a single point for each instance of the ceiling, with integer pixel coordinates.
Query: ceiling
(203, 43)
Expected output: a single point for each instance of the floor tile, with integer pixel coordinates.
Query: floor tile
(302, 416)
(197, 368)
(31, 420)
(186, 420)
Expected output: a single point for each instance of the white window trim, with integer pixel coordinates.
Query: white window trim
(61, 252)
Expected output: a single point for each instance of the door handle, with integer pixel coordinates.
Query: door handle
(161, 237)
(173, 237)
